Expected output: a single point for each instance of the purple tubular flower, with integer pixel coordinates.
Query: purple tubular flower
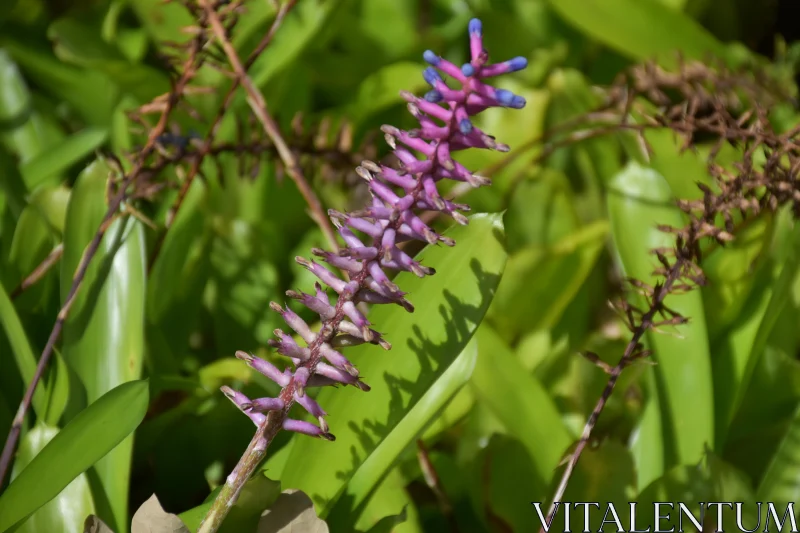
(371, 237)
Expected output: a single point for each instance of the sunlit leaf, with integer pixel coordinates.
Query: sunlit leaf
(449, 307)
(88, 437)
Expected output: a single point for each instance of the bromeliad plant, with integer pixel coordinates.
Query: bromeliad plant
(372, 238)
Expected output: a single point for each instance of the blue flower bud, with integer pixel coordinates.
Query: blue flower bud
(431, 57)
(467, 70)
(433, 96)
(475, 27)
(518, 63)
(431, 76)
(465, 126)
(517, 102)
(504, 97)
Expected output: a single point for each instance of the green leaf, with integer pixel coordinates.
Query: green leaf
(88, 91)
(524, 406)
(21, 350)
(739, 352)
(374, 468)
(299, 29)
(381, 89)
(780, 482)
(88, 437)
(640, 29)
(539, 282)
(25, 131)
(450, 306)
(59, 157)
(104, 333)
(638, 200)
(66, 512)
(390, 508)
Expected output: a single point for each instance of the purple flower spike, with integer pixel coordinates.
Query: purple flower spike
(359, 273)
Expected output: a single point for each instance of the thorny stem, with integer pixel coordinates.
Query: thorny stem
(259, 107)
(88, 254)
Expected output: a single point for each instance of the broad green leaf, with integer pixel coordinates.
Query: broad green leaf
(104, 333)
(374, 468)
(539, 282)
(449, 308)
(59, 157)
(505, 477)
(647, 439)
(596, 160)
(780, 482)
(742, 347)
(80, 43)
(639, 200)
(89, 92)
(687, 484)
(640, 29)
(88, 437)
(390, 507)
(732, 272)
(381, 89)
(605, 475)
(26, 132)
(13, 189)
(21, 350)
(299, 29)
(524, 406)
(33, 241)
(65, 512)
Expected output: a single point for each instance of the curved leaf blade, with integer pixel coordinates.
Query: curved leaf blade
(104, 333)
(66, 512)
(92, 434)
(450, 306)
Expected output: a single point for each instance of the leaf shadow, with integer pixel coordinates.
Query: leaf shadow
(460, 321)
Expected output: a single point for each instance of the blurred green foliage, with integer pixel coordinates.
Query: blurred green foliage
(498, 401)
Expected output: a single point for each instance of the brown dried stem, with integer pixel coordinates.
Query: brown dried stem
(206, 148)
(259, 107)
(728, 108)
(123, 193)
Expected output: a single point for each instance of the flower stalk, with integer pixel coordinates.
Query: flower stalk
(371, 237)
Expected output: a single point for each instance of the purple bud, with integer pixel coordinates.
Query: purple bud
(307, 428)
(431, 57)
(262, 405)
(465, 126)
(467, 70)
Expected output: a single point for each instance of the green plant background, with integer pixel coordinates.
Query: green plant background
(485, 372)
